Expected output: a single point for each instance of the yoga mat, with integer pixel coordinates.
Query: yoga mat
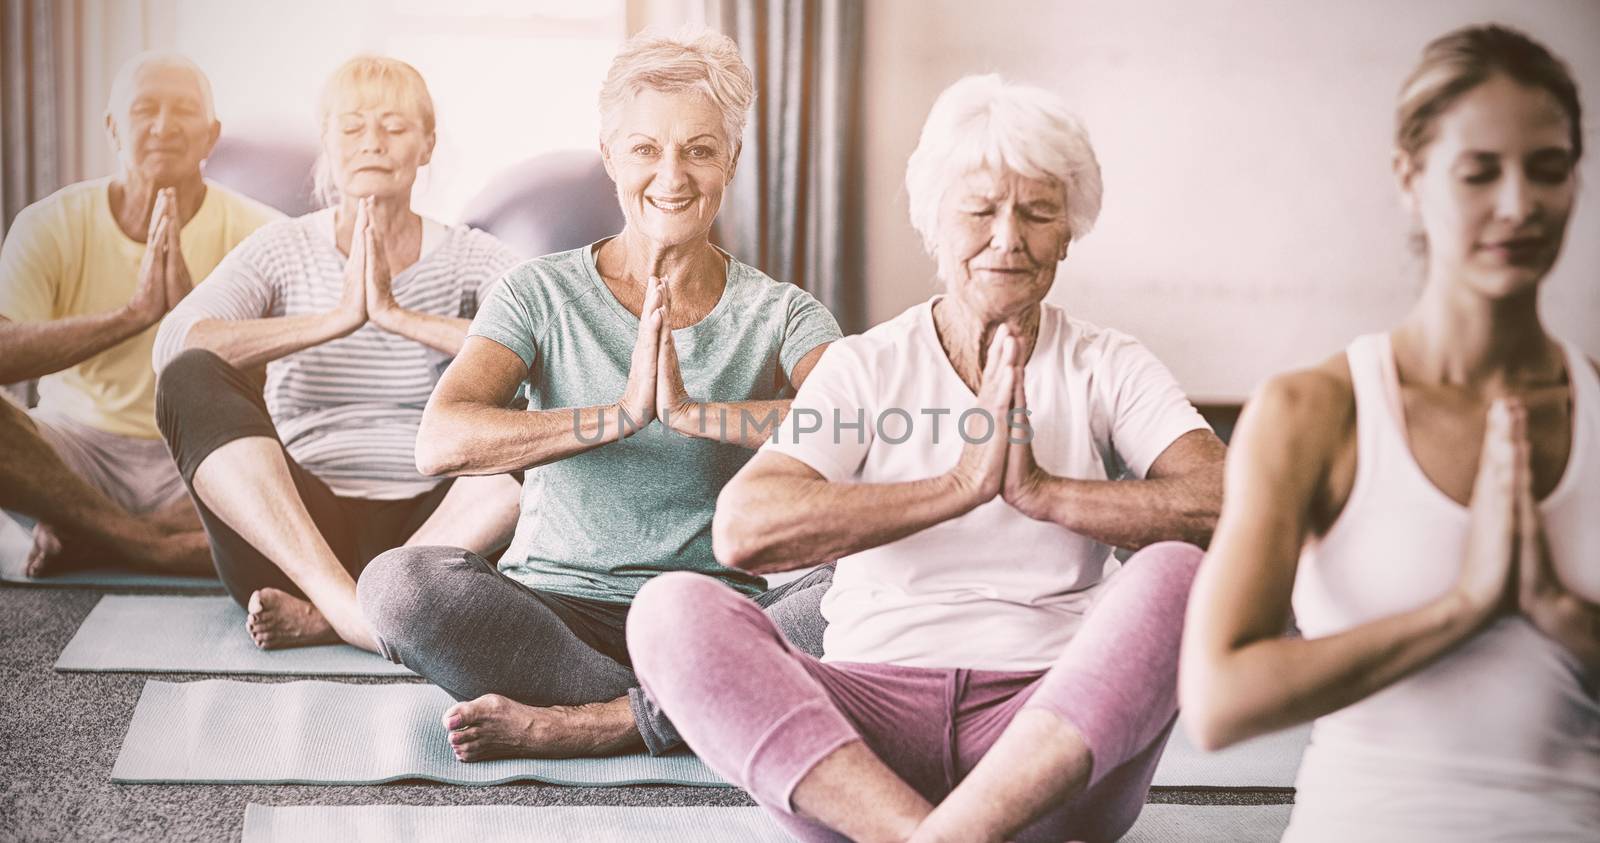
(508, 823)
(1270, 761)
(16, 538)
(229, 732)
(193, 634)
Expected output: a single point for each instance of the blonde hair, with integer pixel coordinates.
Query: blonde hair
(703, 61)
(369, 79)
(986, 122)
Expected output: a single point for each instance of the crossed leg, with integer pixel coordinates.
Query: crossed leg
(78, 523)
(847, 750)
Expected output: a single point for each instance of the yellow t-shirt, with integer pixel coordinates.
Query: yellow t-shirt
(65, 256)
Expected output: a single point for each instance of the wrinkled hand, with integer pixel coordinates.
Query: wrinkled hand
(352, 309)
(981, 471)
(379, 280)
(1024, 478)
(672, 399)
(638, 403)
(150, 298)
(1492, 534)
(178, 282)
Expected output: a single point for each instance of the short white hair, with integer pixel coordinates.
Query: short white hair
(122, 85)
(703, 61)
(985, 122)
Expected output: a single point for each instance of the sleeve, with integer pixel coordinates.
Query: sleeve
(31, 267)
(492, 260)
(507, 319)
(239, 288)
(821, 429)
(807, 326)
(1149, 411)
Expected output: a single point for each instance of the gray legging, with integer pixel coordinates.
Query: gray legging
(449, 615)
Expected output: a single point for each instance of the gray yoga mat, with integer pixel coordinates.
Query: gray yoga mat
(229, 732)
(1270, 761)
(509, 823)
(194, 634)
(16, 536)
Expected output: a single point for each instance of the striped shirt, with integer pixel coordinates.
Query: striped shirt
(347, 410)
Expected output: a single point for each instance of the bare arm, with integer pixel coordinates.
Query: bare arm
(444, 333)
(247, 343)
(778, 514)
(1239, 677)
(467, 428)
(743, 423)
(1180, 497)
(35, 349)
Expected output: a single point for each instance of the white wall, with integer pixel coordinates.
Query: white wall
(1250, 221)
(509, 78)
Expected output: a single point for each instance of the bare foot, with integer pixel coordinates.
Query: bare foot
(56, 552)
(493, 726)
(279, 620)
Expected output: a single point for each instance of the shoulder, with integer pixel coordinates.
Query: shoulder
(70, 207)
(544, 283)
(476, 247)
(1310, 409)
(757, 288)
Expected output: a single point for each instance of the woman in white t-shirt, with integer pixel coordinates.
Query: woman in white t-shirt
(1426, 501)
(961, 647)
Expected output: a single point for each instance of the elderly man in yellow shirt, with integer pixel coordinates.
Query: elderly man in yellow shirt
(86, 275)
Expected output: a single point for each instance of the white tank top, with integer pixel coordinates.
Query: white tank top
(1499, 738)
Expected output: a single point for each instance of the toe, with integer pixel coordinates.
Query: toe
(255, 606)
(463, 736)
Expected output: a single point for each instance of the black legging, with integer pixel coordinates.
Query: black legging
(203, 403)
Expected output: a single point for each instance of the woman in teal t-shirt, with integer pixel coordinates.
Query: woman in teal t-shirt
(655, 364)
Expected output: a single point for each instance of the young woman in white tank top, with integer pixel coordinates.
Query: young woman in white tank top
(1429, 502)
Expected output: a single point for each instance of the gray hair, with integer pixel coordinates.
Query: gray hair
(122, 85)
(705, 61)
(986, 122)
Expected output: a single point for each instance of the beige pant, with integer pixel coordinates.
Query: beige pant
(138, 474)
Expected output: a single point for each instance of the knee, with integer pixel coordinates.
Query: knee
(394, 591)
(1173, 560)
(673, 612)
(189, 378)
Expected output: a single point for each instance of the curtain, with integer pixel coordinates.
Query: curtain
(793, 209)
(57, 62)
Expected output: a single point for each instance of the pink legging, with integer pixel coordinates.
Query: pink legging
(763, 714)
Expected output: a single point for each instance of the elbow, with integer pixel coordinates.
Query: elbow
(1208, 719)
(437, 453)
(1208, 728)
(734, 541)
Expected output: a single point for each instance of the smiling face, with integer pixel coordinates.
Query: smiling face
(999, 238)
(375, 146)
(161, 127)
(671, 160)
(1496, 187)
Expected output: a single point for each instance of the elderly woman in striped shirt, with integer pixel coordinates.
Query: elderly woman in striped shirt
(354, 311)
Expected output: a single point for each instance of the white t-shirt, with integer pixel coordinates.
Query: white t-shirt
(992, 589)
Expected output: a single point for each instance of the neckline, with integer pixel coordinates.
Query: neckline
(434, 233)
(1578, 437)
(104, 200)
(931, 331)
(592, 268)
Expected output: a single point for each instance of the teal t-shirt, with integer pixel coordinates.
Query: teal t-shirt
(599, 524)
